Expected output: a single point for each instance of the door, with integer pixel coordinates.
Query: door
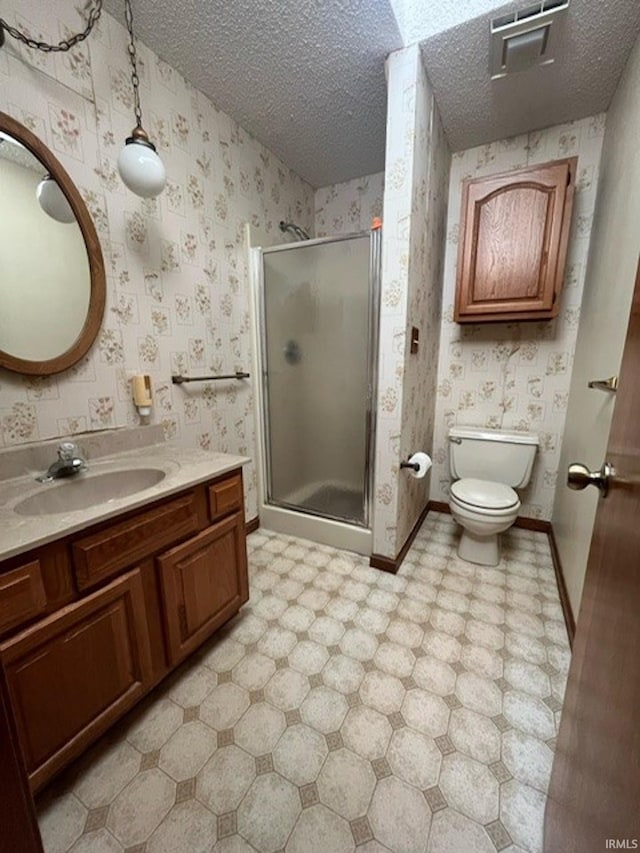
(204, 582)
(317, 318)
(594, 798)
(72, 674)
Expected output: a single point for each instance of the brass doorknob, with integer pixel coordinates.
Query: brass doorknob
(579, 477)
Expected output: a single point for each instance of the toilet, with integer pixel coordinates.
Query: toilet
(486, 467)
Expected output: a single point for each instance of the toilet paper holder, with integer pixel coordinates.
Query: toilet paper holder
(419, 464)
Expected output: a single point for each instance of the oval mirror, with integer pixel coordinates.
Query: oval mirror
(52, 280)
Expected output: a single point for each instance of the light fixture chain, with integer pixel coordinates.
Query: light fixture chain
(62, 46)
(135, 80)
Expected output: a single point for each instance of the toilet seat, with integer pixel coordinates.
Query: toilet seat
(484, 509)
(484, 496)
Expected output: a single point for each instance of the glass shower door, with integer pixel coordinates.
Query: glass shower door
(317, 360)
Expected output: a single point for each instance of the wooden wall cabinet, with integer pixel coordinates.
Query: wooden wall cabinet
(514, 232)
(89, 624)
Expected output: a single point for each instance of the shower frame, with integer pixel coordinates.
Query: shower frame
(290, 518)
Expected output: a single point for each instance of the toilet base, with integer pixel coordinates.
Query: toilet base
(481, 550)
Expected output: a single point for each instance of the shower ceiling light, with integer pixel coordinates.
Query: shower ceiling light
(140, 167)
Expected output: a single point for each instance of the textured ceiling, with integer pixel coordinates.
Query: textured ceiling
(20, 155)
(305, 77)
(593, 49)
(419, 20)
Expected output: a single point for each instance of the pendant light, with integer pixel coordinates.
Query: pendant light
(140, 167)
(53, 201)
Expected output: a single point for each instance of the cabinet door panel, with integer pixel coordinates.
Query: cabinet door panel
(513, 241)
(204, 581)
(513, 269)
(72, 674)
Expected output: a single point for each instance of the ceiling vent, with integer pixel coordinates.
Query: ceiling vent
(526, 38)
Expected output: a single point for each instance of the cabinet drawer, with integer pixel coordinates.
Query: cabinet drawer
(22, 595)
(75, 672)
(225, 496)
(102, 554)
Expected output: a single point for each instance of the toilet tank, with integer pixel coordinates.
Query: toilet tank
(496, 455)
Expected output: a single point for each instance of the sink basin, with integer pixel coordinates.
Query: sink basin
(88, 490)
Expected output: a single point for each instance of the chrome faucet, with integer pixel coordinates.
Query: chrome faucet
(68, 464)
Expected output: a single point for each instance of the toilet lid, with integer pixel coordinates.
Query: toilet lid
(484, 493)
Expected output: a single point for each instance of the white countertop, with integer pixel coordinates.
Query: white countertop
(183, 468)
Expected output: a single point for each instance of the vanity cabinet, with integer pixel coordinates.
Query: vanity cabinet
(90, 623)
(514, 232)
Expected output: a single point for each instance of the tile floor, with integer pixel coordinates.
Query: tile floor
(343, 708)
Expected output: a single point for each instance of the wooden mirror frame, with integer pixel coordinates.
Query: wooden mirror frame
(95, 311)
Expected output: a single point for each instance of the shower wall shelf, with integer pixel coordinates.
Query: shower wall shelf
(180, 380)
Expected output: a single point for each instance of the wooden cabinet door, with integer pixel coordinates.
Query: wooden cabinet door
(72, 674)
(514, 232)
(17, 811)
(204, 582)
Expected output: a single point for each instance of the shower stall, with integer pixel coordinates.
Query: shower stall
(317, 324)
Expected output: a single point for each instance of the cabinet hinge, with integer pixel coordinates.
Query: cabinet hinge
(182, 619)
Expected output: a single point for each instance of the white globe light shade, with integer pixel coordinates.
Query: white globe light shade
(53, 201)
(141, 169)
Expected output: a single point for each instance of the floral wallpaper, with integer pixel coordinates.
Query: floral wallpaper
(176, 266)
(348, 207)
(516, 376)
(178, 279)
(415, 199)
